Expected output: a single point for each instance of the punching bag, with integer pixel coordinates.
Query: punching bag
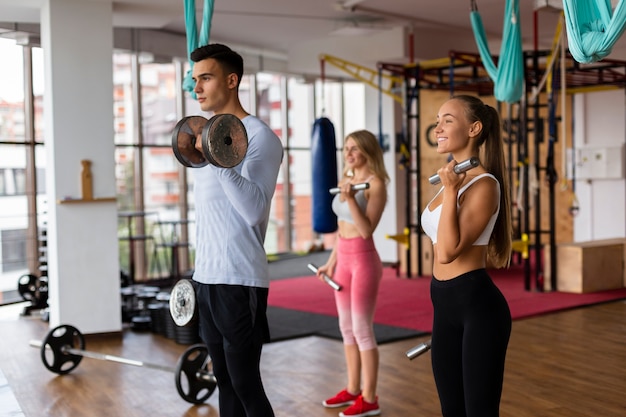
(324, 162)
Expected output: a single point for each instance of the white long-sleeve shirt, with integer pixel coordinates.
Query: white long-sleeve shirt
(232, 212)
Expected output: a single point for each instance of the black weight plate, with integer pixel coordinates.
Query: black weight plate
(184, 137)
(41, 294)
(224, 140)
(192, 365)
(53, 349)
(27, 286)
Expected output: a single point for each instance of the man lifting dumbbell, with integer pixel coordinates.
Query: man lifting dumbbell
(232, 213)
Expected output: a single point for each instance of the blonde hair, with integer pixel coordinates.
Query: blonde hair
(370, 148)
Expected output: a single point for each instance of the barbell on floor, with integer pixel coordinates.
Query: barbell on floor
(64, 347)
(184, 309)
(183, 305)
(223, 141)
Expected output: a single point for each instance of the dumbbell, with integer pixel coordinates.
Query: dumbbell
(355, 187)
(223, 141)
(418, 350)
(466, 165)
(326, 278)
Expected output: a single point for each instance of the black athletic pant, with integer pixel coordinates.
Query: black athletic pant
(471, 329)
(233, 324)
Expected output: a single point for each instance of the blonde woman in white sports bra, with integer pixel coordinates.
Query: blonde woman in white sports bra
(469, 224)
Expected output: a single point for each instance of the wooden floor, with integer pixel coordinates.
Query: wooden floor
(568, 364)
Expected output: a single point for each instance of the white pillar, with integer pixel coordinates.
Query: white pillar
(84, 273)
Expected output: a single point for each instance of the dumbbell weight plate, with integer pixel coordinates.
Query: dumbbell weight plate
(184, 137)
(224, 140)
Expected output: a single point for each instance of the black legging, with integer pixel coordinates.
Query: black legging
(471, 330)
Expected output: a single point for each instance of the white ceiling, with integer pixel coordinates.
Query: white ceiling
(285, 26)
(281, 24)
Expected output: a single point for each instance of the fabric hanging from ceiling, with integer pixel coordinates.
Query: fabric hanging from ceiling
(593, 27)
(195, 39)
(508, 75)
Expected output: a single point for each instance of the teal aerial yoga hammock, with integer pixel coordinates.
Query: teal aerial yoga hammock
(508, 76)
(192, 35)
(591, 31)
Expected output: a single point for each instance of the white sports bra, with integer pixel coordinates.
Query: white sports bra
(430, 219)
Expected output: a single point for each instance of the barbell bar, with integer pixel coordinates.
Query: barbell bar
(63, 349)
(463, 166)
(355, 187)
(335, 286)
(223, 141)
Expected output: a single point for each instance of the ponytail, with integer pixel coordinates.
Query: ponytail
(492, 158)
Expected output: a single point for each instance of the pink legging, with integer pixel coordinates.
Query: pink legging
(359, 271)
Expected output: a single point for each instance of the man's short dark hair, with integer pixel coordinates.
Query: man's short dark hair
(230, 60)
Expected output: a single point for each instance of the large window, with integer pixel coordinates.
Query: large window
(147, 172)
(22, 164)
(13, 250)
(155, 193)
(12, 181)
(286, 104)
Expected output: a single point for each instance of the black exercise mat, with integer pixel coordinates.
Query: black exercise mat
(292, 265)
(289, 324)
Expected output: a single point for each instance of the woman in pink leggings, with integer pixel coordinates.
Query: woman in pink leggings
(354, 263)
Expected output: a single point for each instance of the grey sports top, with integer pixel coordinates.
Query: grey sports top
(430, 219)
(342, 210)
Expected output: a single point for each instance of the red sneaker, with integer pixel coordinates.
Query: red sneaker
(342, 398)
(361, 408)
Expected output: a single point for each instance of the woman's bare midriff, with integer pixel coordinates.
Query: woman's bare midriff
(472, 259)
(347, 230)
